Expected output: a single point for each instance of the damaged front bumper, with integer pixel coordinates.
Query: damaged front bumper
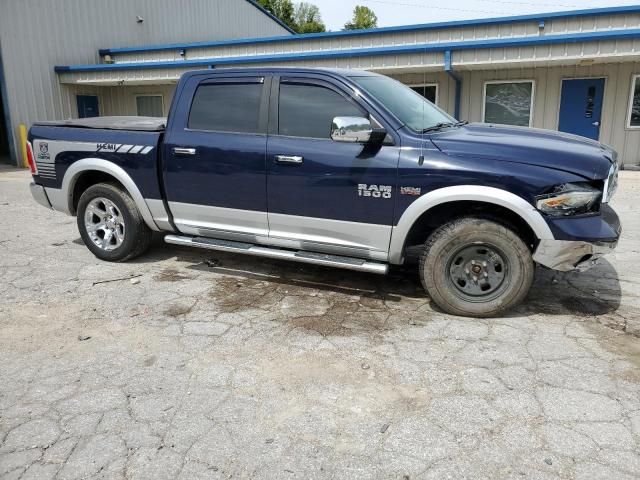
(579, 241)
(566, 255)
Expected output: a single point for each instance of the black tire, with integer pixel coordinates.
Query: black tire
(476, 267)
(136, 235)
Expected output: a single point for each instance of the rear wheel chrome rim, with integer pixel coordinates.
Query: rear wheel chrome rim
(104, 224)
(478, 272)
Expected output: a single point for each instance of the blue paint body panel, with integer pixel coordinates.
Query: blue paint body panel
(326, 185)
(545, 148)
(604, 227)
(228, 169)
(581, 107)
(238, 171)
(141, 168)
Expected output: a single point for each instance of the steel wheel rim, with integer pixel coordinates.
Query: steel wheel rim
(104, 223)
(478, 272)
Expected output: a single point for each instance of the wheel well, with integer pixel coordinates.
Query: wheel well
(86, 180)
(446, 212)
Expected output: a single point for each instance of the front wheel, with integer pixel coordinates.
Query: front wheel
(110, 224)
(476, 267)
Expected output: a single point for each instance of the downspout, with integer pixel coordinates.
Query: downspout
(449, 69)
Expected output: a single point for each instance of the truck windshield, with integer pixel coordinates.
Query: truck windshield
(408, 106)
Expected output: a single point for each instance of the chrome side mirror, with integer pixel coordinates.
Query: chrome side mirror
(351, 129)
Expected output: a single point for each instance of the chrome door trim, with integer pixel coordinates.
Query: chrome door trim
(291, 159)
(184, 151)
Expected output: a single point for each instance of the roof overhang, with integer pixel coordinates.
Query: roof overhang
(591, 12)
(411, 57)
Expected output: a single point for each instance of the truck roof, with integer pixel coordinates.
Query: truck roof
(342, 72)
(142, 124)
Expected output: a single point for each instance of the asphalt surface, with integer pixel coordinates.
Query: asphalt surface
(194, 364)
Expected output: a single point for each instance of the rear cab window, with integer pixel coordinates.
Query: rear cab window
(231, 105)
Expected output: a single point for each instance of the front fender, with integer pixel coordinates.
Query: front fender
(456, 193)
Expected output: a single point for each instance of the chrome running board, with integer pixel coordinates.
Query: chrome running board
(338, 261)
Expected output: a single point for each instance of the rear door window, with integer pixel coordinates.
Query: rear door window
(226, 107)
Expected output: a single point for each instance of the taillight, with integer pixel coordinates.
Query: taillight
(31, 160)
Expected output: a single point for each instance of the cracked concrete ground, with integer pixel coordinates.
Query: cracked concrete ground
(208, 365)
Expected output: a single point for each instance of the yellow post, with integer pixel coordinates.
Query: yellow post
(22, 135)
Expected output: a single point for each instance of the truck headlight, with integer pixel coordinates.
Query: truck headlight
(569, 199)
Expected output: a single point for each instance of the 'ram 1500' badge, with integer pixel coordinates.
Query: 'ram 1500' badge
(375, 191)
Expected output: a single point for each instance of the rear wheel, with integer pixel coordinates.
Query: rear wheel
(110, 224)
(476, 267)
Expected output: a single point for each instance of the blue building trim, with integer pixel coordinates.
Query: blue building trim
(400, 29)
(362, 52)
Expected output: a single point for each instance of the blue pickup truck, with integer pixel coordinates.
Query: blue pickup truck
(339, 168)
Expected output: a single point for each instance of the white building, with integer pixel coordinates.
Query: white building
(36, 35)
(576, 71)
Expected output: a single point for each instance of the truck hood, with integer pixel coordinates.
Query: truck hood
(544, 148)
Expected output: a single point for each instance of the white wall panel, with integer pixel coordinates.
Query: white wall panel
(548, 82)
(36, 35)
(479, 32)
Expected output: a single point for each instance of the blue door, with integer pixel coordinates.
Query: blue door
(581, 107)
(324, 195)
(87, 106)
(214, 158)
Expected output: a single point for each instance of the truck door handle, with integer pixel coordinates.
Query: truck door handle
(289, 159)
(184, 151)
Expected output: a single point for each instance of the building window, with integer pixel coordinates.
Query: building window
(88, 106)
(634, 107)
(509, 102)
(428, 91)
(150, 105)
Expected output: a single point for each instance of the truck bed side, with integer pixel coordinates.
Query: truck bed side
(57, 148)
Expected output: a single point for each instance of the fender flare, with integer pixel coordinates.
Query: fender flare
(98, 164)
(477, 193)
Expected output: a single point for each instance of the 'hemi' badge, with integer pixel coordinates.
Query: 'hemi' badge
(413, 191)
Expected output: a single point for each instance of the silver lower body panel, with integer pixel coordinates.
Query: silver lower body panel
(59, 200)
(349, 263)
(292, 232)
(39, 195)
(566, 255)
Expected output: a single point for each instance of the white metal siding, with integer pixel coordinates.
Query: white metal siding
(36, 35)
(482, 32)
(613, 130)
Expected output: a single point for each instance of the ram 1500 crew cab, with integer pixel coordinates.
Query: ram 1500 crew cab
(338, 168)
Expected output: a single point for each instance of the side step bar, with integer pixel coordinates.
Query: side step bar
(338, 261)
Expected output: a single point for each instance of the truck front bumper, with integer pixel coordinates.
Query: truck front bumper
(39, 195)
(566, 255)
(579, 242)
